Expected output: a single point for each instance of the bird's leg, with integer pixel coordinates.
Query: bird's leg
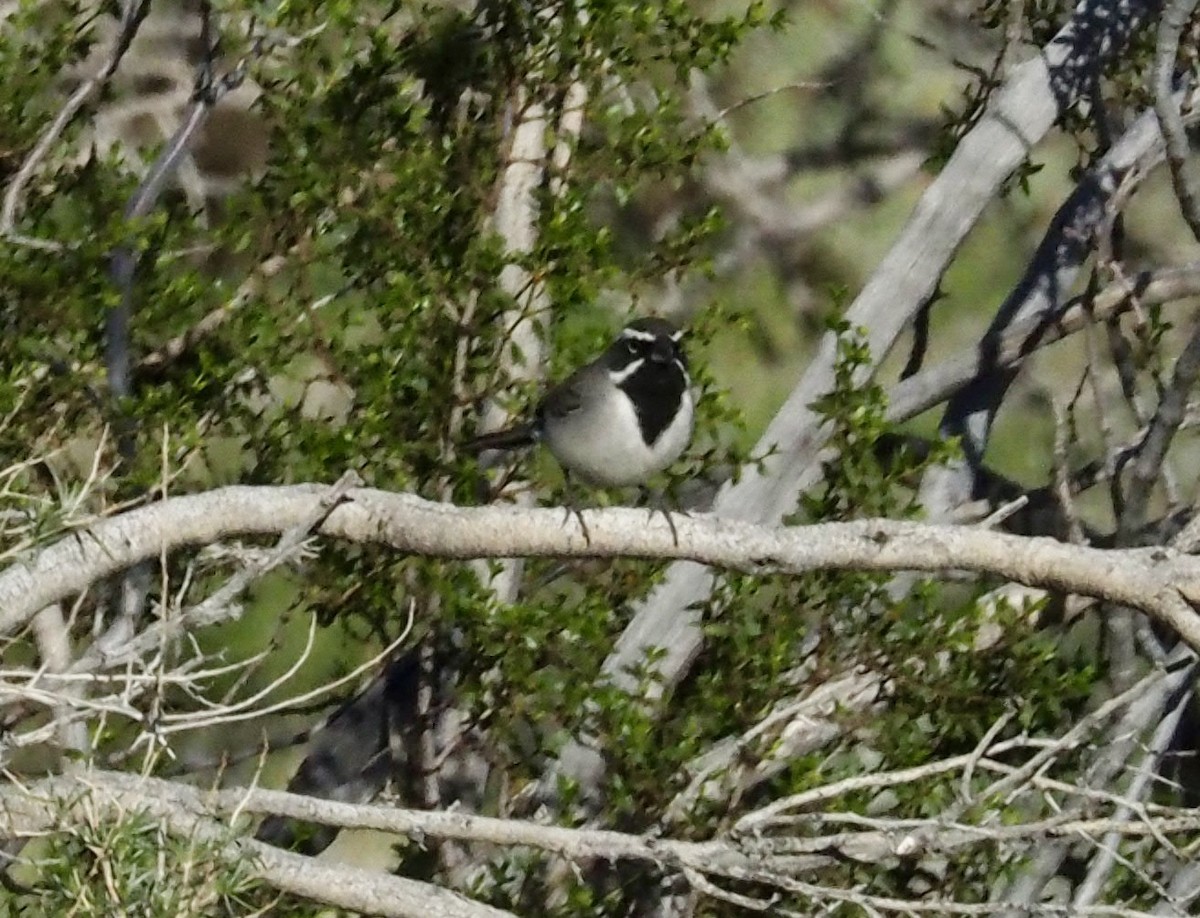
(570, 506)
(657, 504)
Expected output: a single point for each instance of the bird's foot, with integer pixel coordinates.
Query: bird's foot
(572, 509)
(656, 503)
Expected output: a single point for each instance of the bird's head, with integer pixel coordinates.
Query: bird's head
(650, 340)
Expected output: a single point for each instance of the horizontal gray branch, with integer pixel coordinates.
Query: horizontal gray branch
(1158, 581)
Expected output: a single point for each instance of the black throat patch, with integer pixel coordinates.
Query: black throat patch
(656, 390)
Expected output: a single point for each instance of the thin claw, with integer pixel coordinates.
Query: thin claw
(578, 512)
(587, 535)
(670, 522)
(570, 508)
(657, 505)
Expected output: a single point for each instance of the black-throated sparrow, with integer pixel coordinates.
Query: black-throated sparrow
(619, 419)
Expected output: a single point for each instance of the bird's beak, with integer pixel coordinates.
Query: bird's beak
(663, 350)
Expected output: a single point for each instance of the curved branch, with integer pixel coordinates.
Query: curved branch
(40, 808)
(1158, 581)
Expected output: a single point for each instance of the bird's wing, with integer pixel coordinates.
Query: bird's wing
(565, 398)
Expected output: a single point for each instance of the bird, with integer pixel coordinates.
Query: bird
(619, 419)
(365, 742)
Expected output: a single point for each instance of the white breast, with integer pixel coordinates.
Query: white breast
(602, 442)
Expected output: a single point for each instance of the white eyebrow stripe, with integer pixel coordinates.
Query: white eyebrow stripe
(619, 376)
(638, 334)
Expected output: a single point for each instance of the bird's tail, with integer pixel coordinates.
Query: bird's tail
(510, 438)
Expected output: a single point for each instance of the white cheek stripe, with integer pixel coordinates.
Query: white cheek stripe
(619, 376)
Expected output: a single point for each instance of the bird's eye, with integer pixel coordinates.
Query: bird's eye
(631, 346)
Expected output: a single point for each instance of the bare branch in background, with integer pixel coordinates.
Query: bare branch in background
(1170, 27)
(1018, 115)
(751, 187)
(516, 221)
(1039, 295)
(1147, 459)
(934, 385)
(1139, 790)
(1122, 740)
(54, 647)
(780, 844)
